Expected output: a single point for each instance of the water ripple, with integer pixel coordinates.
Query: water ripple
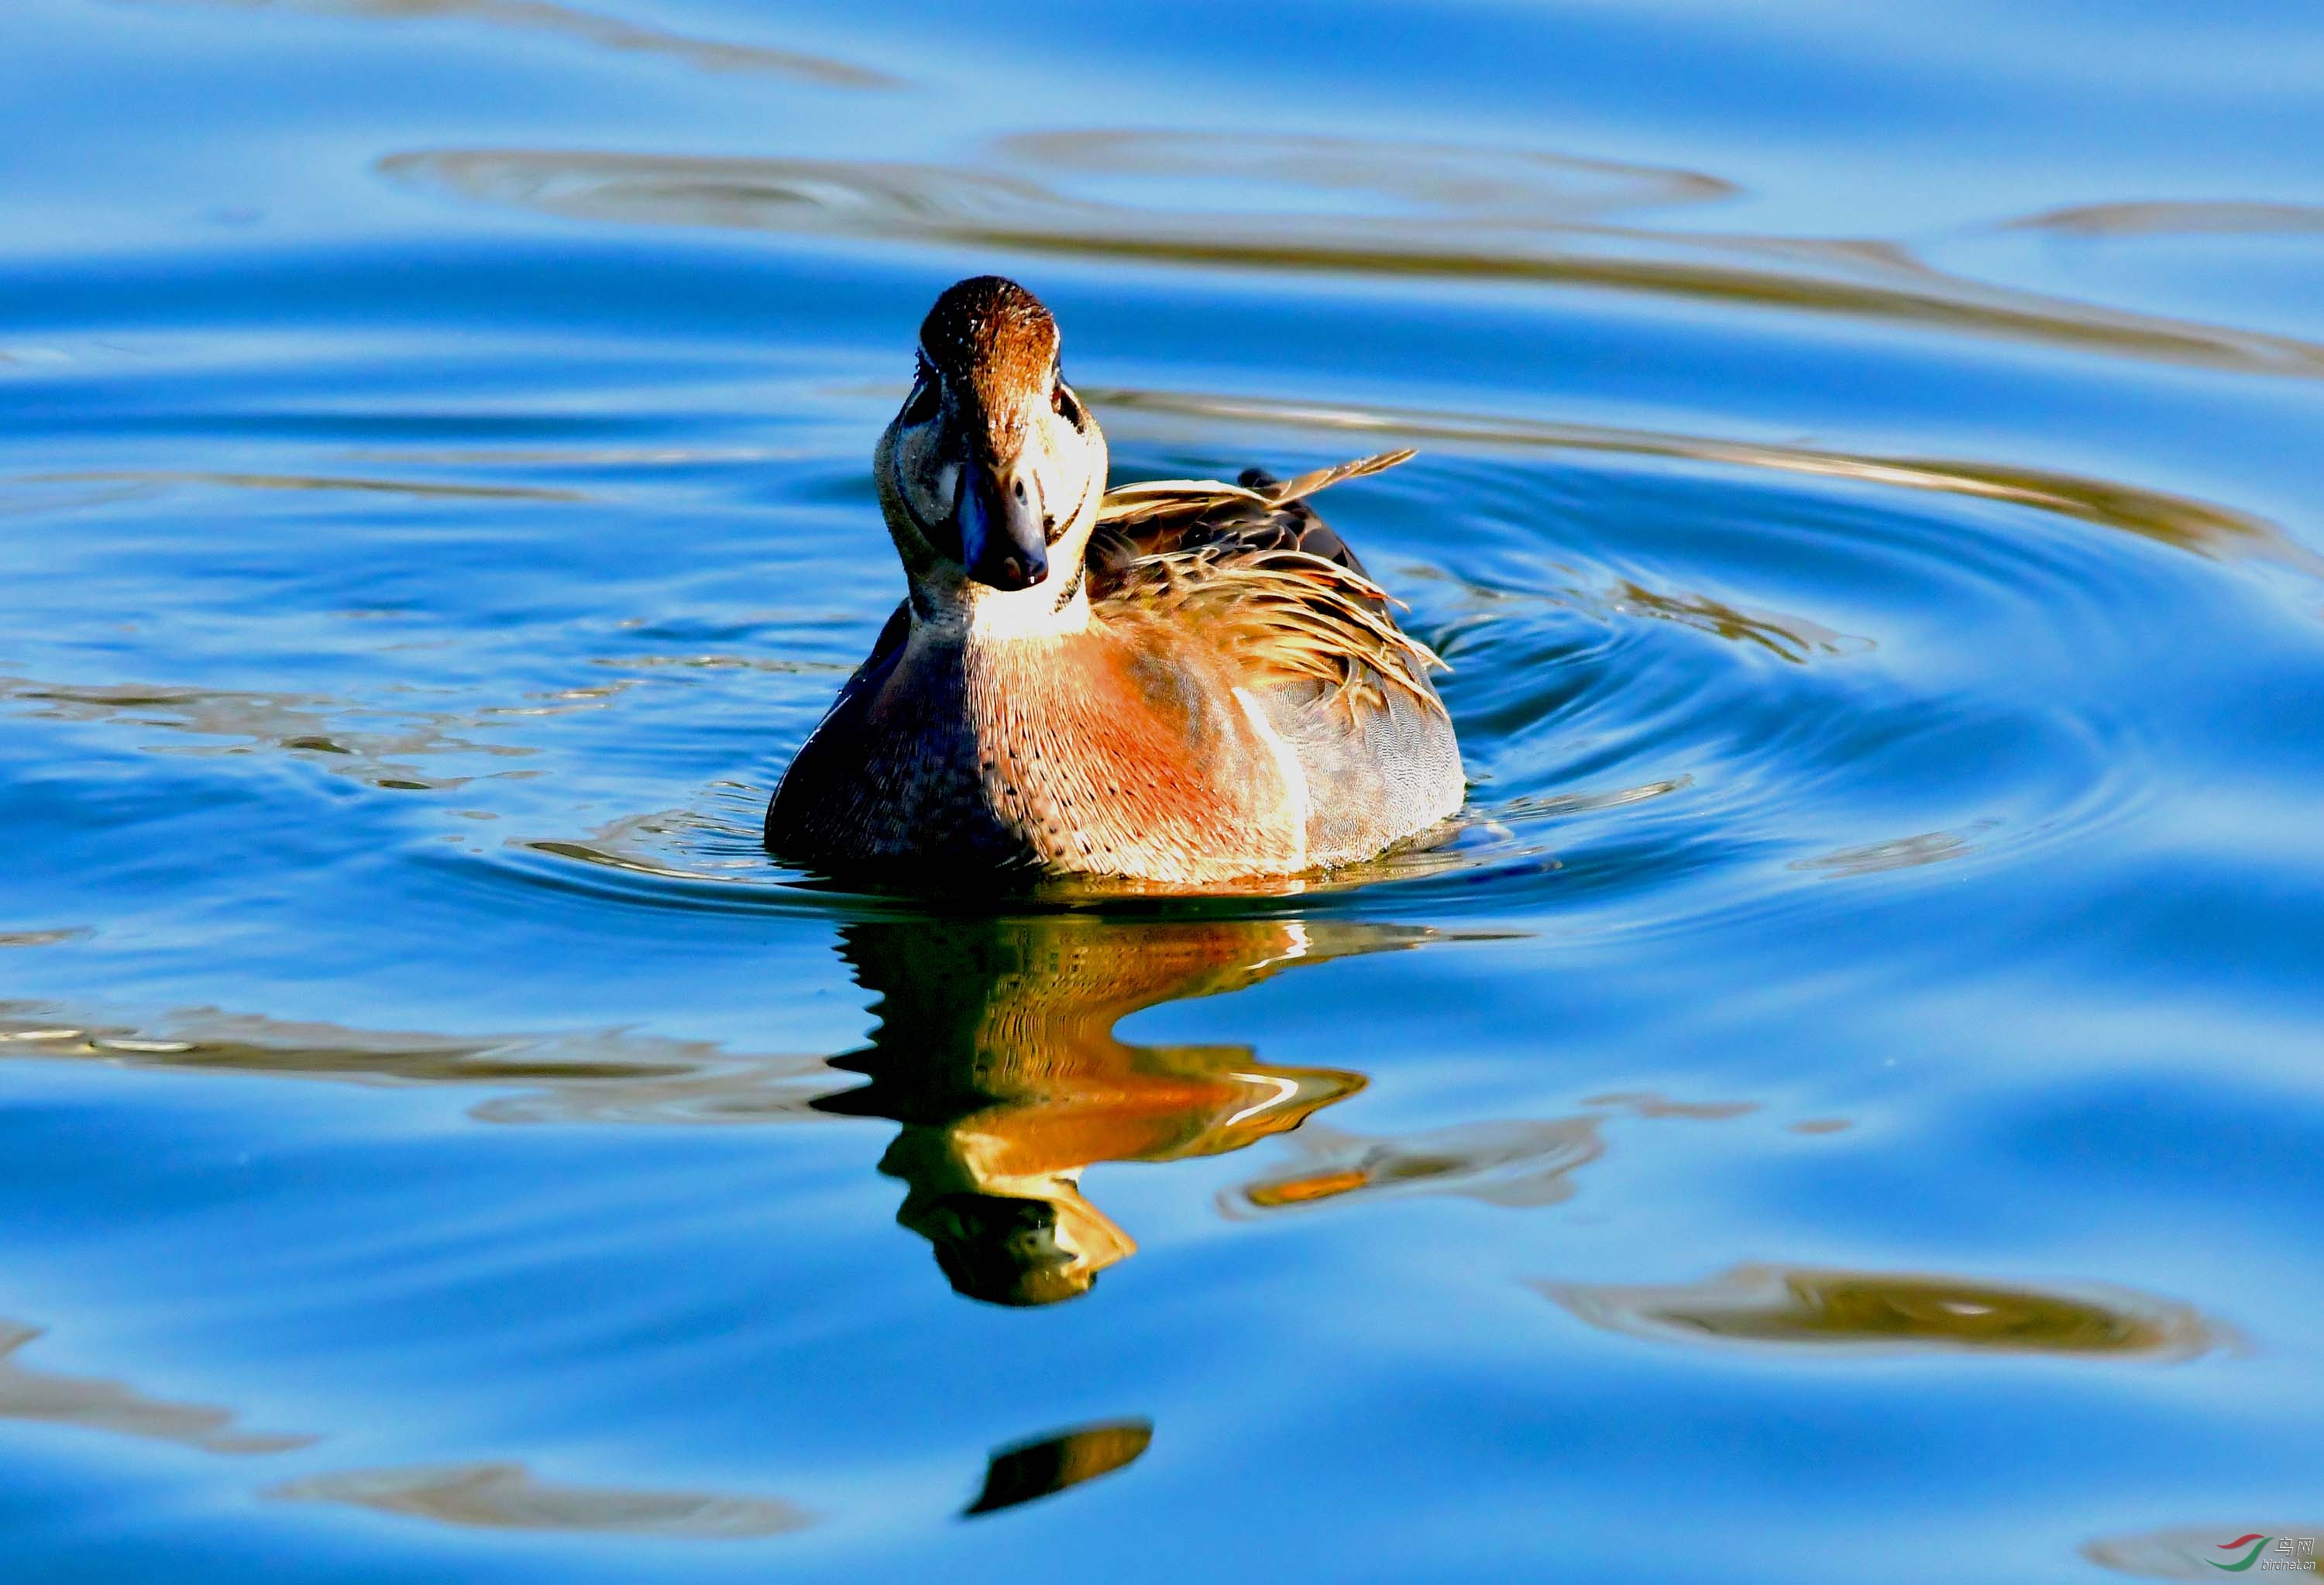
(1471, 229)
(510, 1496)
(100, 1405)
(550, 19)
(1857, 1311)
(1621, 720)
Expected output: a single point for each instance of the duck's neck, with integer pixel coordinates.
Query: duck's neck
(976, 615)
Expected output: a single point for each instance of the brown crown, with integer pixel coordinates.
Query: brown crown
(992, 338)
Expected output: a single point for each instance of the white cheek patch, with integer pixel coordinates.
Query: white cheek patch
(1064, 477)
(927, 485)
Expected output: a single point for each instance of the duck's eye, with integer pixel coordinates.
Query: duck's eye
(1068, 406)
(925, 397)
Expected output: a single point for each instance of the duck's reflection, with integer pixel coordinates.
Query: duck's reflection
(996, 1052)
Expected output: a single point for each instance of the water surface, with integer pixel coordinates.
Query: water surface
(1844, 1102)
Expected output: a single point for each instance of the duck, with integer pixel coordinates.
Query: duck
(1181, 681)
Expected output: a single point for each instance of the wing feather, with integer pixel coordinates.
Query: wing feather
(1253, 562)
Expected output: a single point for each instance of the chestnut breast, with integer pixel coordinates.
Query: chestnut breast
(1125, 748)
(1121, 748)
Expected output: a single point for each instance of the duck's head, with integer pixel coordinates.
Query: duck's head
(992, 474)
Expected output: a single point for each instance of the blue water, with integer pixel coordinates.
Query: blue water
(1845, 1103)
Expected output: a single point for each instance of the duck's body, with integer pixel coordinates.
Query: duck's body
(1207, 686)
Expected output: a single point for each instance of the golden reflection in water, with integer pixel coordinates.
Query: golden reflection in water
(1863, 1310)
(996, 1052)
(1501, 1163)
(1510, 1164)
(1027, 1471)
(96, 1403)
(509, 1496)
(587, 27)
(1431, 211)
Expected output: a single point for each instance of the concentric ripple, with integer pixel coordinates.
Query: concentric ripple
(1685, 672)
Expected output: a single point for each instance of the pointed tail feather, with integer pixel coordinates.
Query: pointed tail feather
(1308, 483)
